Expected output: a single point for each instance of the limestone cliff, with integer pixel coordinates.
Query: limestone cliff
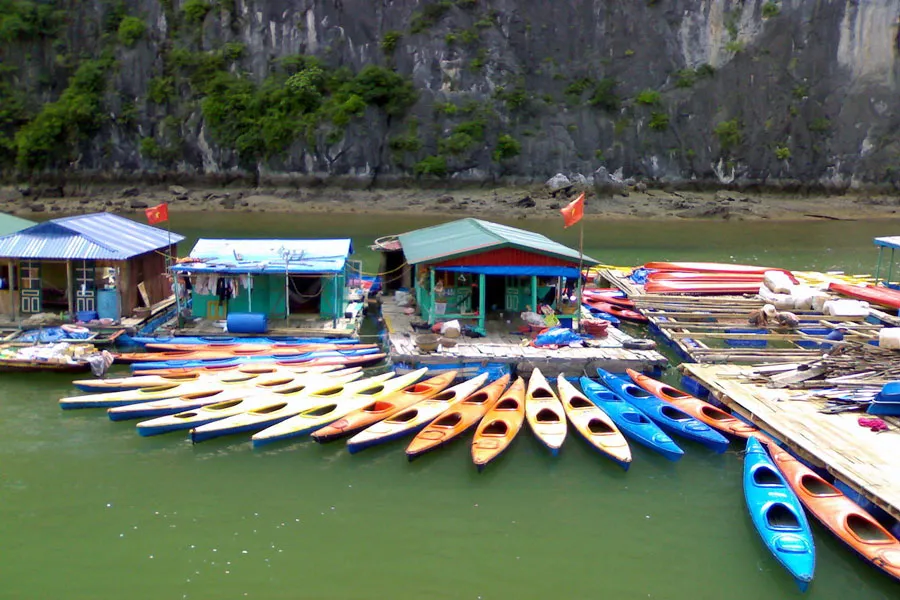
(714, 91)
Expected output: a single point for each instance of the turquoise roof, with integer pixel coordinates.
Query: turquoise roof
(472, 236)
(11, 224)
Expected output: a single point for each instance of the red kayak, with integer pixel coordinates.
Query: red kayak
(702, 287)
(875, 294)
(593, 295)
(705, 276)
(617, 311)
(702, 267)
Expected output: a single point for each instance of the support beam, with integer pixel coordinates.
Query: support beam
(482, 309)
(70, 288)
(534, 306)
(431, 308)
(14, 286)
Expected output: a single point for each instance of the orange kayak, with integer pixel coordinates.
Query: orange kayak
(215, 354)
(544, 413)
(701, 287)
(457, 419)
(846, 519)
(268, 367)
(616, 311)
(593, 424)
(701, 267)
(500, 425)
(381, 409)
(702, 411)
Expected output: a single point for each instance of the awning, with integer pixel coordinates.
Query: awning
(516, 271)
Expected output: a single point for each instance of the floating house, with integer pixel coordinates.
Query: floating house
(472, 268)
(293, 280)
(485, 274)
(99, 263)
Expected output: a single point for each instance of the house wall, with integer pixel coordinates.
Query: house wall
(268, 298)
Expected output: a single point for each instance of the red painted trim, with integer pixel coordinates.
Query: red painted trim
(501, 257)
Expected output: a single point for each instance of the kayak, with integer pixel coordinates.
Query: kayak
(124, 384)
(876, 294)
(702, 411)
(176, 358)
(274, 409)
(457, 419)
(617, 300)
(238, 404)
(241, 360)
(709, 267)
(702, 287)
(630, 420)
(169, 406)
(846, 519)
(414, 418)
(327, 408)
(375, 411)
(593, 424)
(271, 365)
(243, 349)
(500, 425)
(617, 311)
(777, 515)
(705, 276)
(596, 313)
(544, 412)
(145, 340)
(669, 417)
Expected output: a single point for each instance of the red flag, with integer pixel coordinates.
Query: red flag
(573, 212)
(157, 214)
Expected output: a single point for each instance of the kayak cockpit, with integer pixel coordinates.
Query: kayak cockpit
(265, 410)
(867, 530)
(508, 404)
(675, 414)
(580, 402)
(451, 420)
(320, 411)
(673, 393)
(479, 398)
(542, 393)
(224, 405)
(545, 415)
(766, 477)
(636, 418)
(599, 427)
(780, 516)
(377, 407)
(499, 428)
(818, 487)
(403, 417)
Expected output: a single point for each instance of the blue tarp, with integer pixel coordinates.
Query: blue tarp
(516, 271)
(51, 335)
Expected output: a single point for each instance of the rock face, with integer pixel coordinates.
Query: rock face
(790, 93)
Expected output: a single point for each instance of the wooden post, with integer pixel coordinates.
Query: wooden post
(534, 306)
(14, 290)
(481, 307)
(70, 288)
(431, 309)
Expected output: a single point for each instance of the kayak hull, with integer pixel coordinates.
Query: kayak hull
(500, 425)
(544, 413)
(594, 425)
(777, 515)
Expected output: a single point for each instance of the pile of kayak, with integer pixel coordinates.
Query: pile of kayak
(703, 278)
(331, 402)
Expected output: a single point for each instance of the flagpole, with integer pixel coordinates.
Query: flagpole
(580, 267)
(170, 259)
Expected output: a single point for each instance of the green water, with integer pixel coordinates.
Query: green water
(88, 509)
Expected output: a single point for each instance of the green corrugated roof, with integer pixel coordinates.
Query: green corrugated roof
(11, 224)
(470, 236)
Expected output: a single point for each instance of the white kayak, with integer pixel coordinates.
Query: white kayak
(330, 409)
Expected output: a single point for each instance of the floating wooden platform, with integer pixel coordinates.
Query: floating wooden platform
(498, 347)
(698, 326)
(865, 461)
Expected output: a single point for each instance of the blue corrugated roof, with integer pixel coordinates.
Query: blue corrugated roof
(98, 236)
(268, 256)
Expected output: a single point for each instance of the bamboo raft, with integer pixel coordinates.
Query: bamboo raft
(697, 326)
(507, 348)
(865, 461)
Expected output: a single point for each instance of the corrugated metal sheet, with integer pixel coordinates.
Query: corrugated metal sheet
(268, 256)
(470, 236)
(11, 224)
(99, 236)
(507, 257)
(892, 241)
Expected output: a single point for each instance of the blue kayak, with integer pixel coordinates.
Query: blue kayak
(144, 340)
(630, 420)
(242, 360)
(777, 515)
(599, 314)
(665, 414)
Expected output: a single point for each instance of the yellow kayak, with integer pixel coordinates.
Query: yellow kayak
(500, 425)
(593, 424)
(239, 403)
(544, 413)
(275, 409)
(415, 417)
(190, 400)
(331, 408)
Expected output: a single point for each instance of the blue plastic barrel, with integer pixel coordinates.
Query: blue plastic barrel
(86, 315)
(247, 323)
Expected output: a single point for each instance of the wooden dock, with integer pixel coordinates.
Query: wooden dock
(706, 329)
(865, 461)
(507, 347)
